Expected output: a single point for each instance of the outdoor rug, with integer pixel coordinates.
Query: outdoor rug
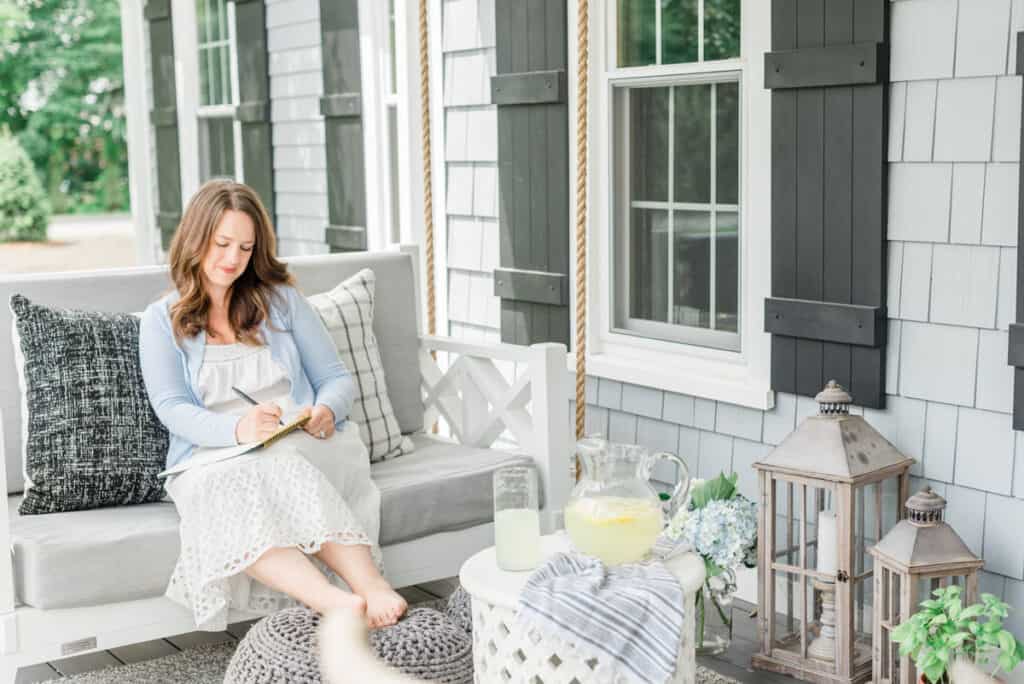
(207, 665)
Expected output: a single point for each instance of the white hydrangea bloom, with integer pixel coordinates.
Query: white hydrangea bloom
(722, 531)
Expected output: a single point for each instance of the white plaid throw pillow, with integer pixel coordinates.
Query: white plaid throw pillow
(347, 313)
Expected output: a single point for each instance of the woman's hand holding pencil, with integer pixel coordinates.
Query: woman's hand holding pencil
(259, 422)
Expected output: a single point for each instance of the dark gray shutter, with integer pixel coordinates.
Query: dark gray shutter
(341, 106)
(1016, 352)
(253, 109)
(533, 170)
(164, 117)
(828, 73)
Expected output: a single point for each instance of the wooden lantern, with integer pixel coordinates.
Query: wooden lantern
(920, 554)
(828, 493)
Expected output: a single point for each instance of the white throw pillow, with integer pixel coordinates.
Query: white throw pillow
(347, 313)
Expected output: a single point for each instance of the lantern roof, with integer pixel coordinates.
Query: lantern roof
(835, 445)
(923, 541)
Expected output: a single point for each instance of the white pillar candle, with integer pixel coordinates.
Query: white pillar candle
(828, 552)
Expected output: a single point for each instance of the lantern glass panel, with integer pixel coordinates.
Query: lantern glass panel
(868, 521)
(889, 605)
(795, 503)
(789, 613)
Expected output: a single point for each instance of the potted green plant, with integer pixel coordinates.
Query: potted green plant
(954, 644)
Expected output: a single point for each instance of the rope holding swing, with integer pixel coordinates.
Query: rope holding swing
(583, 48)
(428, 189)
(582, 58)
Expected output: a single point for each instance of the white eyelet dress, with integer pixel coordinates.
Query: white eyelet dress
(299, 492)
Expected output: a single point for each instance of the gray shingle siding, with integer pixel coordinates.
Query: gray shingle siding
(471, 170)
(300, 165)
(954, 140)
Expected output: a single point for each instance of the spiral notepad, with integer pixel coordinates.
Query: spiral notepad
(216, 455)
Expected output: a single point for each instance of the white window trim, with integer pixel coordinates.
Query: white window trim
(742, 377)
(373, 64)
(375, 72)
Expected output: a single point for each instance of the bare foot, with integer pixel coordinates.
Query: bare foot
(343, 600)
(383, 605)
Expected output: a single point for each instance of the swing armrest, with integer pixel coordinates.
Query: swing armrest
(480, 393)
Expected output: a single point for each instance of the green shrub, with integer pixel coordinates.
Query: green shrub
(24, 209)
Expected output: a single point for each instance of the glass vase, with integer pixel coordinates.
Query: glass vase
(713, 604)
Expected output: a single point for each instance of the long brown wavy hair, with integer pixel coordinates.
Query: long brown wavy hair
(249, 298)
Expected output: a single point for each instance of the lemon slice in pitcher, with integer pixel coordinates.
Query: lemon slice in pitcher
(615, 529)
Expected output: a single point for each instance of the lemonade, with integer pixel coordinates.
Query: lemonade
(616, 529)
(517, 538)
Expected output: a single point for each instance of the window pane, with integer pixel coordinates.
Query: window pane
(648, 115)
(648, 264)
(721, 29)
(727, 273)
(676, 209)
(216, 148)
(692, 163)
(202, 19)
(393, 159)
(225, 75)
(636, 27)
(204, 77)
(727, 139)
(222, 19)
(216, 78)
(692, 268)
(391, 38)
(214, 52)
(678, 31)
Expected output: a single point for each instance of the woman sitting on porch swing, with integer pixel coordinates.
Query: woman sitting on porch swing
(259, 531)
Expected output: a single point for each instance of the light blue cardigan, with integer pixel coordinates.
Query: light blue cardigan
(300, 344)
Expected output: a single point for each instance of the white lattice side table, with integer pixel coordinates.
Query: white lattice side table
(505, 653)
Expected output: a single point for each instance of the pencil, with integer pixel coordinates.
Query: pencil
(251, 400)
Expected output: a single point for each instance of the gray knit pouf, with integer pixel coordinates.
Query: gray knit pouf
(427, 643)
(279, 648)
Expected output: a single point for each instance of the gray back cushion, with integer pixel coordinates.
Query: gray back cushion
(127, 290)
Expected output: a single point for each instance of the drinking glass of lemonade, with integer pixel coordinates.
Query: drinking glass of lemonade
(613, 512)
(516, 517)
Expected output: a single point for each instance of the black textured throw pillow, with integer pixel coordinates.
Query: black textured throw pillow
(92, 437)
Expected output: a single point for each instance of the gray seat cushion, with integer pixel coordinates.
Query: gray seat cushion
(81, 558)
(439, 487)
(63, 560)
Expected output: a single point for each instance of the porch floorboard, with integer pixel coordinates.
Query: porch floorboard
(733, 663)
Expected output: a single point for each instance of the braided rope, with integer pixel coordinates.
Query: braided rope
(428, 189)
(583, 50)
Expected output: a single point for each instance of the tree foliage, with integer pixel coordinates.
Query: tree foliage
(24, 211)
(62, 96)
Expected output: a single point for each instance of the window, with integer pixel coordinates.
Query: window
(676, 160)
(680, 199)
(384, 97)
(219, 134)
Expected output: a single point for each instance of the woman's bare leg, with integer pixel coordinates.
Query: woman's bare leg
(355, 565)
(290, 571)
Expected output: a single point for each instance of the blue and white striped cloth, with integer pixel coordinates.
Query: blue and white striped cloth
(631, 614)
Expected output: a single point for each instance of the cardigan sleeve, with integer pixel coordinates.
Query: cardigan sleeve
(332, 383)
(166, 385)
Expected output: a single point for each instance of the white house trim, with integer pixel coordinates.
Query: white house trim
(439, 167)
(373, 61)
(186, 74)
(137, 106)
(736, 377)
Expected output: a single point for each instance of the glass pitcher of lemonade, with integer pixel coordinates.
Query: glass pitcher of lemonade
(613, 512)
